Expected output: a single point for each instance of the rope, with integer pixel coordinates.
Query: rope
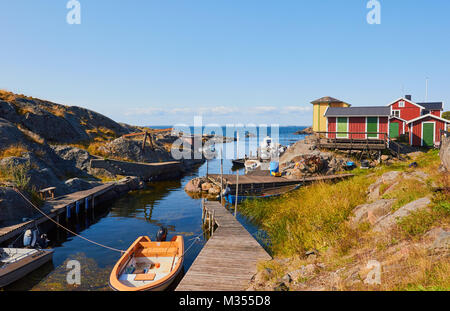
(196, 238)
(68, 230)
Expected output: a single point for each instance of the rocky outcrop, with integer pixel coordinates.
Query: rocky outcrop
(311, 164)
(78, 184)
(9, 134)
(201, 185)
(307, 131)
(445, 154)
(132, 151)
(390, 220)
(371, 212)
(74, 157)
(57, 123)
(129, 183)
(441, 244)
(13, 208)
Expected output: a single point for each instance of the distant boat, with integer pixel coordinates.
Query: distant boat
(148, 265)
(251, 165)
(238, 162)
(269, 149)
(267, 193)
(15, 263)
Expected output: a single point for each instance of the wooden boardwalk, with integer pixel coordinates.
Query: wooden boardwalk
(250, 182)
(54, 208)
(228, 260)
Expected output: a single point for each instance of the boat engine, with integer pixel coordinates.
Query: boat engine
(42, 241)
(29, 238)
(162, 234)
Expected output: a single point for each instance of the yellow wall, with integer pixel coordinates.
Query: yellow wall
(319, 121)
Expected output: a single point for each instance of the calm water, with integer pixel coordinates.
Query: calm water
(135, 214)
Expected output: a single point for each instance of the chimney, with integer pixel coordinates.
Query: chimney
(408, 97)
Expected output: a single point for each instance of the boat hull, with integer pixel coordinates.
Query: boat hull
(139, 252)
(17, 270)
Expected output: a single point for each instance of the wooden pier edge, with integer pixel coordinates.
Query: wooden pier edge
(229, 259)
(56, 208)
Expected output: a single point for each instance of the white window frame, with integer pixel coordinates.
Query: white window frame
(393, 113)
(401, 104)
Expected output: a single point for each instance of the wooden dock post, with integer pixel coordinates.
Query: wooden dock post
(213, 222)
(68, 212)
(237, 176)
(203, 211)
(221, 176)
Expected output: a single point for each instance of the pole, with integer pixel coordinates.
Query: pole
(221, 176)
(237, 177)
(206, 168)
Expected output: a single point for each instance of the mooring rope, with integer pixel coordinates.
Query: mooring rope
(68, 230)
(196, 238)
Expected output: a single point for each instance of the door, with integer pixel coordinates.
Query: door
(393, 130)
(372, 127)
(342, 127)
(428, 134)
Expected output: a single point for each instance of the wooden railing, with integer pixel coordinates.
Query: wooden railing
(350, 140)
(350, 135)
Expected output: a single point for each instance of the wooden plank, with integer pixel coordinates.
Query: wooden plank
(228, 260)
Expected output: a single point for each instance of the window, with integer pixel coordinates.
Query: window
(396, 113)
(401, 104)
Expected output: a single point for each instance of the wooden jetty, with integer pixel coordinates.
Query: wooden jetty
(64, 206)
(353, 141)
(253, 182)
(228, 260)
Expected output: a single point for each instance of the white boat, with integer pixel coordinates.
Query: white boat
(251, 165)
(15, 263)
(269, 149)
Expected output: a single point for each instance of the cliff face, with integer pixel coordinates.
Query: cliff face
(57, 123)
(445, 153)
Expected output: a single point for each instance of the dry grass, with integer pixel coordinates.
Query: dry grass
(102, 134)
(316, 217)
(312, 217)
(13, 151)
(31, 136)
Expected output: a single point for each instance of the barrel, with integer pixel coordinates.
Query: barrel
(274, 167)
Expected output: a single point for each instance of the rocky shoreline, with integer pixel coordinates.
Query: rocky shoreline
(44, 144)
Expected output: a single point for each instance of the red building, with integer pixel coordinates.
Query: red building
(358, 122)
(421, 122)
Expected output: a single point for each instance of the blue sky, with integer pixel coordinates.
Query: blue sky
(233, 61)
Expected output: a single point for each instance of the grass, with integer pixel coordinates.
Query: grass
(300, 221)
(316, 217)
(13, 151)
(101, 134)
(31, 136)
(407, 190)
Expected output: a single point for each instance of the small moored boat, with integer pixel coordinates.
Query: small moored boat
(15, 263)
(148, 265)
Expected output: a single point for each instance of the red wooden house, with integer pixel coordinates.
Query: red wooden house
(358, 122)
(422, 122)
